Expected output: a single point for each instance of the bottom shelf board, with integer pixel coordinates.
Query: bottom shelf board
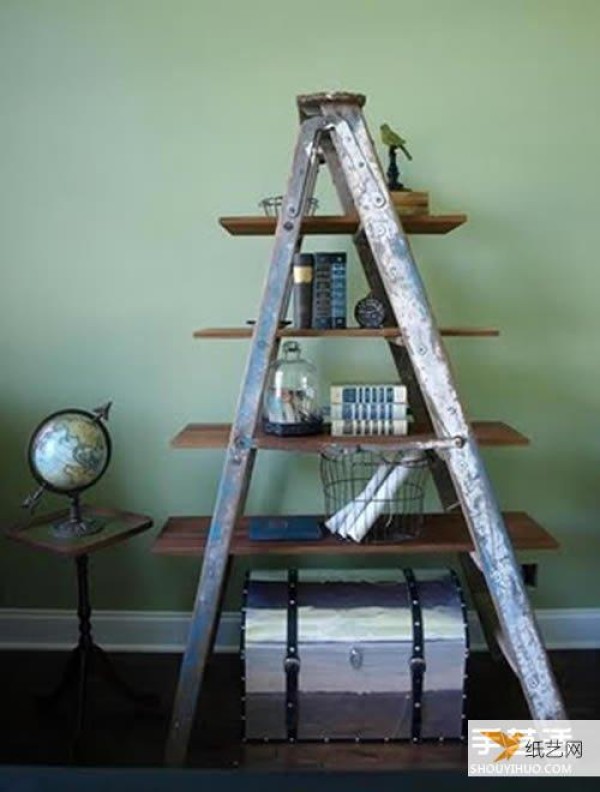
(441, 533)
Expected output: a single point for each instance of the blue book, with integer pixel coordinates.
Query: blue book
(338, 289)
(284, 529)
(321, 307)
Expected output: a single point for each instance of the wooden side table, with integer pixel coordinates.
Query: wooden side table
(87, 657)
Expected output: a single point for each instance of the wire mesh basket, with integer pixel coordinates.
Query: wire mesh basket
(271, 206)
(374, 496)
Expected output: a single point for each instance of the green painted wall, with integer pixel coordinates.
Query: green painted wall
(129, 126)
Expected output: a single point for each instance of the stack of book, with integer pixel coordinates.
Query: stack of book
(369, 410)
(320, 290)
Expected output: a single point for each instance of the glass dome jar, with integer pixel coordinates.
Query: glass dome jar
(291, 401)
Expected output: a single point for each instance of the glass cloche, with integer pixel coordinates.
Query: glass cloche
(291, 401)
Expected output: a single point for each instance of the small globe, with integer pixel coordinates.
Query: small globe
(69, 451)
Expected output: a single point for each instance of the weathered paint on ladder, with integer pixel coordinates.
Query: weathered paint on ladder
(336, 122)
(240, 454)
(407, 297)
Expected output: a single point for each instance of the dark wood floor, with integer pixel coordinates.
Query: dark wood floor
(117, 735)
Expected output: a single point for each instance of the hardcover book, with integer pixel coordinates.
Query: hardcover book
(381, 427)
(321, 306)
(354, 411)
(284, 529)
(303, 272)
(368, 394)
(338, 289)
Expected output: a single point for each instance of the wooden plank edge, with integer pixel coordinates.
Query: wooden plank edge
(256, 225)
(199, 435)
(234, 333)
(189, 533)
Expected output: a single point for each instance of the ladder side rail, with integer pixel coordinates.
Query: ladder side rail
(240, 454)
(413, 313)
(371, 270)
(441, 477)
(309, 192)
(438, 468)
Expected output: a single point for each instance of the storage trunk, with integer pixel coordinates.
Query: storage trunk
(353, 655)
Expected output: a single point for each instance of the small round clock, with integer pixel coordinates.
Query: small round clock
(369, 312)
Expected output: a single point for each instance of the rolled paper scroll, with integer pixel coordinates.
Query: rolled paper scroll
(378, 503)
(343, 519)
(356, 518)
(381, 499)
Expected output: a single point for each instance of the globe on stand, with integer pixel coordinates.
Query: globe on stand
(69, 452)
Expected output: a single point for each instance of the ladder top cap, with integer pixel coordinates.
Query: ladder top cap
(314, 101)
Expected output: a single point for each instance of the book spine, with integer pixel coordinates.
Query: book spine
(338, 289)
(368, 394)
(303, 271)
(380, 427)
(321, 314)
(357, 411)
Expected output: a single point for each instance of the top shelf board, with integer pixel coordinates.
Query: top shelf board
(342, 332)
(340, 224)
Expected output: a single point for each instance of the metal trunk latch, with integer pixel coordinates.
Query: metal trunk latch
(356, 658)
(291, 664)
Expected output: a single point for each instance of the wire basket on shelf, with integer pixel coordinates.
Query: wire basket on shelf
(271, 206)
(374, 496)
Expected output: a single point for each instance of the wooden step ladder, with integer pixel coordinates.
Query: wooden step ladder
(333, 131)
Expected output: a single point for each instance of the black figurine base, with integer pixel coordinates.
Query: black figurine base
(393, 174)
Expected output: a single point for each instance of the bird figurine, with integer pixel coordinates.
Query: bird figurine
(393, 141)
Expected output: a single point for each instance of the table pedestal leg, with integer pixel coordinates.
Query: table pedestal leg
(88, 659)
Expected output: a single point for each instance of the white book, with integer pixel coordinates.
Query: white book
(368, 394)
(375, 427)
(359, 411)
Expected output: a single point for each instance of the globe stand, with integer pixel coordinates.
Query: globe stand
(88, 664)
(76, 526)
(88, 659)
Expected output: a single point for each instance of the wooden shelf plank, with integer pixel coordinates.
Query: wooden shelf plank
(339, 224)
(441, 533)
(346, 332)
(205, 435)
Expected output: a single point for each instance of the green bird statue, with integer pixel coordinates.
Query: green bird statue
(393, 140)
